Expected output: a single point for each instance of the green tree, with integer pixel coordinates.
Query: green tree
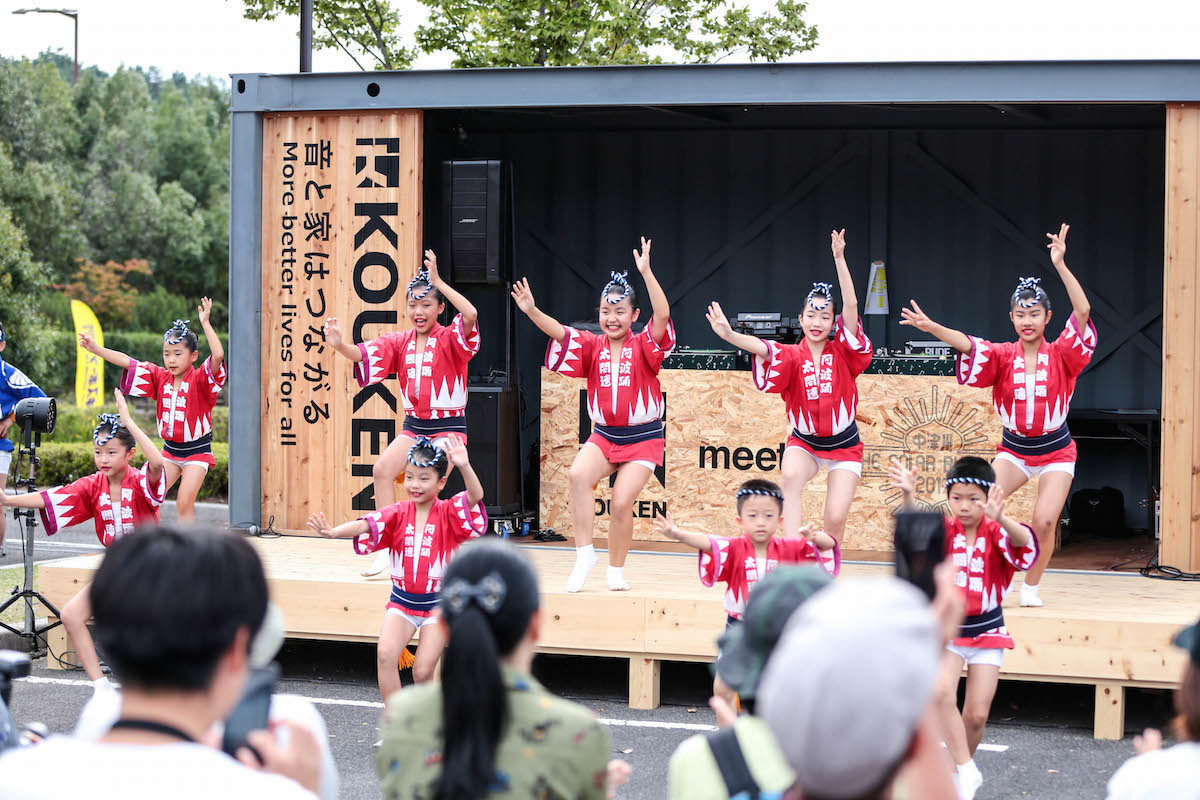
(22, 278)
(46, 206)
(366, 26)
(520, 33)
(37, 117)
(516, 33)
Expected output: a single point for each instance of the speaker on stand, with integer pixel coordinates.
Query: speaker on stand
(478, 242)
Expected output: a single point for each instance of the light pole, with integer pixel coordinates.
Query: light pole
(66, 12)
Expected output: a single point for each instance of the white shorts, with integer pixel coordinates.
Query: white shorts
(992, 656)
(5, 461)
(1032, 472)
(829, 464)
(417, 622)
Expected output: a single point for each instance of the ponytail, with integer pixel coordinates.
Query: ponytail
(489, 595)
(474, 709)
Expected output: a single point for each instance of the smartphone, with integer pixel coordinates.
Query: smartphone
(251, 712)
(920, 546)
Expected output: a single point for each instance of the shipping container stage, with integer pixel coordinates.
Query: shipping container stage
(1108, 631)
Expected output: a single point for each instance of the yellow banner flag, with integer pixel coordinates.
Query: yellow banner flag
(89, 368)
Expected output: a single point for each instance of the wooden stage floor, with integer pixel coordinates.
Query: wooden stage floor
(1108, 630)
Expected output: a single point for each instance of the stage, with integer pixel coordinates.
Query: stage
(1107, 630)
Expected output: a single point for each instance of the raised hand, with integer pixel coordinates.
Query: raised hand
(618, 775)
(523, 297)
(665, 526)
(717, 319)
(321, 525)
(916, 317)
(88, 343)
(122, 406)
(1151, 739)
(333, 332)
(993, 509)
(456, 451)
(902, 477)
(431, 265)
(1058, 245)
(642, 259)
(837, 243)
(204, 309)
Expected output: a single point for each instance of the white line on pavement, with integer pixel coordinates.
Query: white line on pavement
(612, 723)
(65, 545)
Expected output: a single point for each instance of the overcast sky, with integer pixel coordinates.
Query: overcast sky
(210, 37)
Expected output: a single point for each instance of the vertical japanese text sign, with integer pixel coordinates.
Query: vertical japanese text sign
(341, 237)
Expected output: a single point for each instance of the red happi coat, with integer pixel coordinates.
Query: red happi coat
(184, 413)
(821, 400)
(1031, 405)
(433, 383)
(985, 574)
(418, 563)
(732, 561)
(634, 395)
(88, 498)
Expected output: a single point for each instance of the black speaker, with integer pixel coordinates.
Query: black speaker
(476, 221)
(492, 424)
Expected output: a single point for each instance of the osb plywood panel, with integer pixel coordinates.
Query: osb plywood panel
(721, 432)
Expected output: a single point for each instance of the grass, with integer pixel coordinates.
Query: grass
(15, 576)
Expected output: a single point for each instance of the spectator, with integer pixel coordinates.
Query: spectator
(488, 729)
(745, 757)
(848, 692)
(179, 641)
(1175, 771)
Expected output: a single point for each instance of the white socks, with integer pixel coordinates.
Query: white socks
(616, 579)
(381, 562)
(585, 559)
(967, 780)
(1030, 596)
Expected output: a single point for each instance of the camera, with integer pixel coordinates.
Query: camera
(12, 665)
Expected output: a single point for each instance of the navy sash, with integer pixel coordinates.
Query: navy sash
(196, 447)
(979, 624)
(632, 434)
(847, 438)
(435, 427)
(731, 622)
(413, 601)
(1036, 445)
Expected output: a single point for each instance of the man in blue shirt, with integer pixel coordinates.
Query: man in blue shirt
(14, 387)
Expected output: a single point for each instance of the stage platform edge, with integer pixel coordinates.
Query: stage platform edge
(1110, 631)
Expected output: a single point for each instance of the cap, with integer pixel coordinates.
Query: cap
(848, 682)
(745, 648)
(1189, 639)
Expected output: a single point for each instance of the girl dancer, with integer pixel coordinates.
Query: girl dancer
(430, 363)
(184, 398)
(624, 401)
(1032, 382)
(117, 498)
(987, 549)
(418, 560)
(817, 381)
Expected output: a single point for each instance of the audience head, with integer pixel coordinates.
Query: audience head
(1187, 698)
(176, 611)
(745, 648)
(489, 607)
(848, 683)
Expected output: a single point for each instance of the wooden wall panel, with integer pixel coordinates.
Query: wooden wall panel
(721, 432)
(341, 237)
(1180, 545)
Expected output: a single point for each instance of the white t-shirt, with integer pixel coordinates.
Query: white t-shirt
(1173, 772)
(64, 767)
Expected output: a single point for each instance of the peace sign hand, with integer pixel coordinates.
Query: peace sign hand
(642, 259)
(1058, 245)
(837, 243)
